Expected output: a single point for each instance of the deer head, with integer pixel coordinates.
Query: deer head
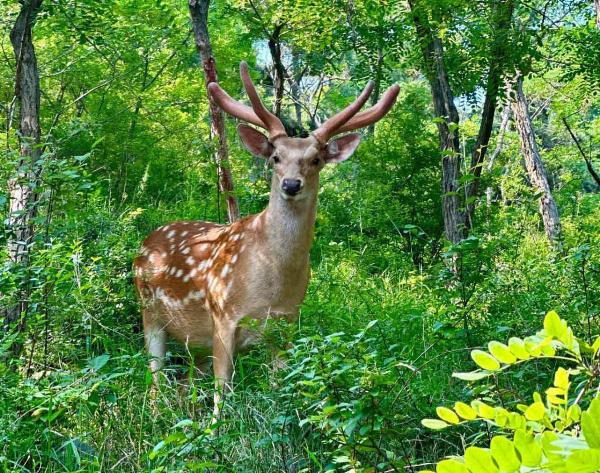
(297, 161)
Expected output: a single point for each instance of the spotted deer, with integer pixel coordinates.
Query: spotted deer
(198, 280)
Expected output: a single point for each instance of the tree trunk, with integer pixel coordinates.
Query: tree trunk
(499, 145)
(378, 76)
(447, 123)
(597, 5)
(21, 189)
(502, 11)
(534, 164)
(279, 79)
(296, 77)
(588, 161)
(199, 16)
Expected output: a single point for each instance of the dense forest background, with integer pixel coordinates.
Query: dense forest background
(465, 215)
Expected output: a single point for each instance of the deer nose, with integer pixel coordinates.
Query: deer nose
(291, 186)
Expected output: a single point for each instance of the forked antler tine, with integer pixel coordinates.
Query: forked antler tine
(373, 114)
(233, 107)
(331, 126)
(272, 123)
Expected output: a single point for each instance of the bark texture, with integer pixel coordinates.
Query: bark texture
(502, 11)
(279, 68)
(597, 5)
(534, 165)
(22, 195)
(443, 102)
(199, 16)
(499, 145)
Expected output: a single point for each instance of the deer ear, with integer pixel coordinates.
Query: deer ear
(340, 149)
(254, 141)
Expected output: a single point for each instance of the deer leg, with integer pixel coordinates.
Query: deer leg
(223, 352)
(156, 345)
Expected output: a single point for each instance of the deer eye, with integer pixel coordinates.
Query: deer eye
(275, 159)
(315, 162)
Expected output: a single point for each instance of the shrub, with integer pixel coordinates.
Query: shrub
(551, 434)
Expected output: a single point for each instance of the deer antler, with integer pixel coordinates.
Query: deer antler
(348, 119)
(257, 115)
(373, 114)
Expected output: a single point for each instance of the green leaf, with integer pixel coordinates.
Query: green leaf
(465, 411)
(561, 378)
(551, 451)
(435, 424)
(98, 362)
(596, 346)
(483, 410)
(485, 360)
(590, 424)
(584, 461)
(517, 348)
(528, 448)
(479, 460)
(446, 414)
(472, 375)
(505, 454)
(501, 352)
(554, 326)
(536, 411)
(451, 466)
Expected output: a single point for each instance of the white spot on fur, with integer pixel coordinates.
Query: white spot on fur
(184, 233)
(179, 273)
(186, 250)
(225, 271)
(190, 261)
(234, 258)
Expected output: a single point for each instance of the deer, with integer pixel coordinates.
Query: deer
(197, 281)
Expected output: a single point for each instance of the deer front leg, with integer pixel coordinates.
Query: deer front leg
(223, 352)
(156, 346)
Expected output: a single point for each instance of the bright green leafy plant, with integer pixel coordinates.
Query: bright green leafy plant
(551, 434)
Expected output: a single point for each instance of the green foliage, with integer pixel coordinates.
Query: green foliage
(555, 435)
(126, 148)
(345, 392)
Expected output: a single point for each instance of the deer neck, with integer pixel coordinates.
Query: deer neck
(289, 226)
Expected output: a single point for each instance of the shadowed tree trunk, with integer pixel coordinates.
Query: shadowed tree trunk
(378, 76)
(21, 189)
(499, 145)
(503, 11)
(447, 123)
(199, 16)
(294, 80)
(279, 69)
(534, 164)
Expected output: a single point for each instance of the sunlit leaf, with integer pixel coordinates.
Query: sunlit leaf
(465, 411)
(535, 411)
(435, 424)
(501, 352)
(446, 414)
(505, 454)
(590, 424)
(485, 360)
(479, 460)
